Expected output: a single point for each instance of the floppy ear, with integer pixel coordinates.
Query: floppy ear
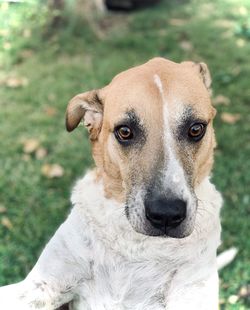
(203, 71)
(87, 107)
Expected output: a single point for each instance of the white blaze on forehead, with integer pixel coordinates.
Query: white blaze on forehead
(158, 83)
(174, 174)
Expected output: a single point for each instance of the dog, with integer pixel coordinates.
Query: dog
(145, 227)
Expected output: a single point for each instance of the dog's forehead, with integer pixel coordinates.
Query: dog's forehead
(140, 88)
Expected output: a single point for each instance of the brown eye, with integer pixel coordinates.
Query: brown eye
(123, 133)
(196, 131)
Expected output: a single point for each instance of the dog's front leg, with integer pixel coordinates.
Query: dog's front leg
(62, 266)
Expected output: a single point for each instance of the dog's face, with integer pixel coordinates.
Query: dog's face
(152, 137)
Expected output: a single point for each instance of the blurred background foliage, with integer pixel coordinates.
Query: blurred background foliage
(51, 50)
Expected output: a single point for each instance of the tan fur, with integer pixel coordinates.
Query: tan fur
(185, 84)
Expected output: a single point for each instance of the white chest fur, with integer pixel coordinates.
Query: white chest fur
(133, 271)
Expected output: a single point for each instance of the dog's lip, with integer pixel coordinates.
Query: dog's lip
(165, 235)
(170, 233)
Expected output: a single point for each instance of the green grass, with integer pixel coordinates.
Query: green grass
(74, 59)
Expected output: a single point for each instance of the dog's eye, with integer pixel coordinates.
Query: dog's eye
(123, 133)
(197, 131)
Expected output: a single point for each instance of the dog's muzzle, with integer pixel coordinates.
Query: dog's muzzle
(165, 214)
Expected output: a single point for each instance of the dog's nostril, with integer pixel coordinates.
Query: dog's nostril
(154, 217)
(177, 219)
(164, 213)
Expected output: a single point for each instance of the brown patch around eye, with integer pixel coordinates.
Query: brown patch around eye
(129, 131)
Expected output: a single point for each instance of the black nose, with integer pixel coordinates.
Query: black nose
(165, 213)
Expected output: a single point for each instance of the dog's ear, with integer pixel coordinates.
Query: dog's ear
(203, 71)
(205, 74)
(87, 107)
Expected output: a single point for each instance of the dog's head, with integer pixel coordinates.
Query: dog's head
(153, 140)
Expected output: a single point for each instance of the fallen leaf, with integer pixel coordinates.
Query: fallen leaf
(220, 99)
(51, 97)
(233, 299)
(244, 291)
(225, 23)
(162, 32)
(186, 45)
(6, 222)
(50, 111)
(27, 33)
(26, 157)
(41, 152)
(225, 285)
(26, 53)
(236, 70)
(15, 82)
(240, 42)
(4, 32)
(7, 46)
(222, 301)
(177, 22)
(30, 145)
(228, 34)
(230, 118)
(52, 171)
(2, 209)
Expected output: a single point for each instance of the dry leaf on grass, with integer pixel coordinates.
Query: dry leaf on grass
(50, 111)
(27, 53)
(51, 97)
(222, 301)
(240, 42)
(230, 118)
(27, 33)
(186, 45)
(41, 153)
(15, 82)
(26, 157)
(4, 32)
(30, 145)
(5, 221)
(221, 100)
(244, 291)
(7, 46)
(227, 34)
(225, 23)
(177, 22)
(236, 70)
(52, 171)
(2, 209)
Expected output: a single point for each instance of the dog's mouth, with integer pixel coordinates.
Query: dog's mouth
(179, 232)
